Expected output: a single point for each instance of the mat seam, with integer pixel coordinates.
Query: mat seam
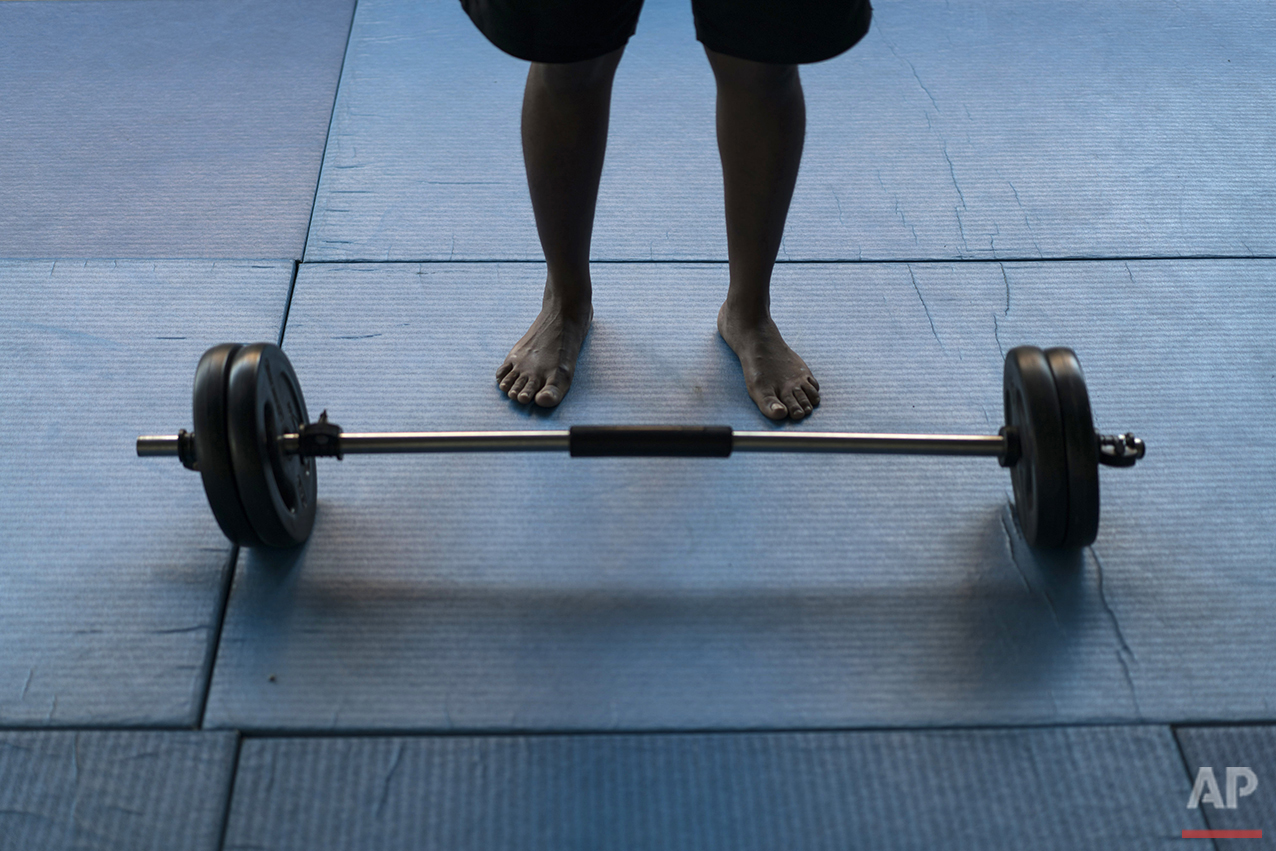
(230, 793)
(391, 732)
(323, 158)
(216, 641)
(885, 261)
(292, 288)
(1187, 770)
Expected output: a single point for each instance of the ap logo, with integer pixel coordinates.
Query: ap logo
(1205, 790)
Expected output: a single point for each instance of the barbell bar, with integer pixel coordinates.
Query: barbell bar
(699, 441)
(255, 447)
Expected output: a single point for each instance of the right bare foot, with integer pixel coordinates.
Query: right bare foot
(540, 366)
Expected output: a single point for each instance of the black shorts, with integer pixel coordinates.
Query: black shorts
(786, 32)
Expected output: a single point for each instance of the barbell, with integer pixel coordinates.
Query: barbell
(255, 447)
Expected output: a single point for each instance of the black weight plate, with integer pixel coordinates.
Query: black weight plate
(1081, 445)
(1041, 475)
(264, 401)
(212, 448)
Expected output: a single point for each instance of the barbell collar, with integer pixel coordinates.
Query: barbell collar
(152, 445)
(1120, 450)
(181, 444)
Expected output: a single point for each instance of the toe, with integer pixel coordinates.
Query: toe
(800, 396)
(772, 407)
(508, 381)
(795, 409)
(504, 370)
(812, 390)
(529, 389)
(550, 395)
(517, 386)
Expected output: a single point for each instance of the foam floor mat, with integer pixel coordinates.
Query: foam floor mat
(106, 790)
(537, 592)
(1045, 788)
(993, 129)
(112, 568)
(165, 128)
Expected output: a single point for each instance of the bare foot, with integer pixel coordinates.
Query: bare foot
(540, 366)
(779, 381)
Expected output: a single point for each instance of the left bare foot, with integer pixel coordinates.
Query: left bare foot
(779, 381)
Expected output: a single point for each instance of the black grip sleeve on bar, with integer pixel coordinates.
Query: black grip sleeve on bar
(650, 441)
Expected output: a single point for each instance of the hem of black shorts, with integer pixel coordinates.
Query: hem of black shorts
(780, 58)
(558, 57)
(512, 44)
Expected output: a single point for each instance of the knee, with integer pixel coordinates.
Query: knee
(735, 73)
(580, 76)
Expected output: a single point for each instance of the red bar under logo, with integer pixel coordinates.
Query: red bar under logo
(1222, 834)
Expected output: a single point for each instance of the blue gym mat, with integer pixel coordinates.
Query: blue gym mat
(112, 569)
(1244, 747)
(536, 592)
(103, 791)
(1101, 787)
(532, 651)
(993, 129)
(165, 128)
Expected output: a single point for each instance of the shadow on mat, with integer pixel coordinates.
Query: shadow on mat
(1006, 639)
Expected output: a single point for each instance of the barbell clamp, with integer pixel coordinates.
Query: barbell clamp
(186, 450)
(1120, 450)
(320, 439)
(1011, 452)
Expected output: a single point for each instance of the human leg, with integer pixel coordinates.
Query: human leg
(761, 120)
(566, 109)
